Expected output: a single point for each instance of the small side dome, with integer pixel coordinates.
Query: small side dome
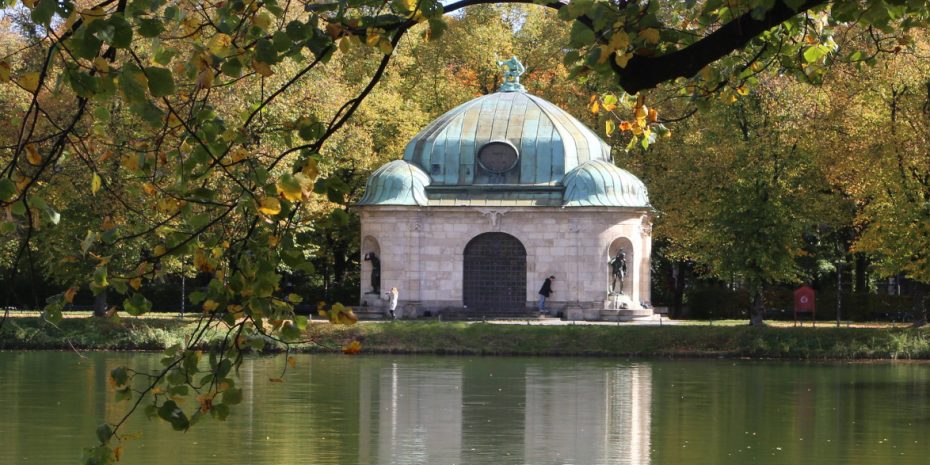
(599, 183)
(396, 183)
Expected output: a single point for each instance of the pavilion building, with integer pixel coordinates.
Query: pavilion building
(492, 198)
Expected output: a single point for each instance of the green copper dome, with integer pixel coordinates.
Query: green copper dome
(549, 142)
(396, 183)
(509, 148)
(600, 183)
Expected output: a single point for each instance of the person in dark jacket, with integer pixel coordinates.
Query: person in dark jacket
(544, 292)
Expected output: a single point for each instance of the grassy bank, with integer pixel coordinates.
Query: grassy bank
(498, 339)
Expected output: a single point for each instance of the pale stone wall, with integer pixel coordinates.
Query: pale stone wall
(421, 249)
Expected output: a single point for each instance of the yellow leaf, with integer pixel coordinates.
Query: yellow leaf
(625, 126)
(262, 68)
(30, 3)
(609, 127)
(130, 162)
(262, 21)
(603, 55)
(32, 155)
(386, 47)
(273, 241)
(4, 72)
(159, 250)
(95, 184)
(30, 82)
(312, 169)
(622, 60)
(136, 283)
(270, 206)
(70, 293)
(149, 188)
(352, 348)
(650, 35)
(101, 64)
(595, 107)
(652, 116)
(292, 362)
(620, 40)
(238, 154)
(210, 305)
(219, 43)
(205, 78)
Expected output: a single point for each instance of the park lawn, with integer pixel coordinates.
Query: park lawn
(694, 339)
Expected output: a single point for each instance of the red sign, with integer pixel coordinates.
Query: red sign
(804, 299)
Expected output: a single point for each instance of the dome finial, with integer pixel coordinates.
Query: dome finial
(513, 69)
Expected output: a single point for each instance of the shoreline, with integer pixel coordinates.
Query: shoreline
(489, 339)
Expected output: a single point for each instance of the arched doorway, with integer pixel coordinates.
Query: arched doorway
(495, 274)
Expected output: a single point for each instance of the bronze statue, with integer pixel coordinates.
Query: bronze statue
(375, 272)
(618, 271)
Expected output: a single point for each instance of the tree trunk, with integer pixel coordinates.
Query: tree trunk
(919, 302)
(678, 283)
(758, 307)
(839, 292)
(862, 265)
(100, 304)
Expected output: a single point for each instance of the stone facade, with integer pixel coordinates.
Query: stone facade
(421, 252)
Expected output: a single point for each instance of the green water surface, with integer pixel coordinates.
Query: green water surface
(461, 410)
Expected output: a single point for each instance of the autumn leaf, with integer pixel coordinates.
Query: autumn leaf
(30, 82)
(210, 305)
(622, 60)
(650, 35)
(352, 348)
(95, 184)
(270, 206)
(262, 68)
(609, 127)
(135, 283)
(70, 293)
(292, 362)
(276, 380)
(4, 72)
(32, 155)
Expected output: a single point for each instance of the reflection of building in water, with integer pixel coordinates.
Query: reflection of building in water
(589, 415)
(419, 417)
(502, 413)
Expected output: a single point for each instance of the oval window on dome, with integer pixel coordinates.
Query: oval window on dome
(498, 156)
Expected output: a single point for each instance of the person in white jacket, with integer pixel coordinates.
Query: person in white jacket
(392, 302)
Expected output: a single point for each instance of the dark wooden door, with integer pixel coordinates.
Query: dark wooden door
(495, 274)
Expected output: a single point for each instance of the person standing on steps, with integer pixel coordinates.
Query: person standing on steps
(544, 292)
(392, 302)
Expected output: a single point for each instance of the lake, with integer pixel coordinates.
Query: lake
(336, 409)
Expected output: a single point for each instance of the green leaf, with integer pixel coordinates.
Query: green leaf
(581, 35)
(232, 396)
(161, 82)
(137, 304)
(122, 31)
(170, 412)
(7, 190)
(132, 84)
(150, 27)
(43, 11)
(120, 375)
(104, 433)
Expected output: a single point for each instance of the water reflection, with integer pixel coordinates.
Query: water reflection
(457, 410)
